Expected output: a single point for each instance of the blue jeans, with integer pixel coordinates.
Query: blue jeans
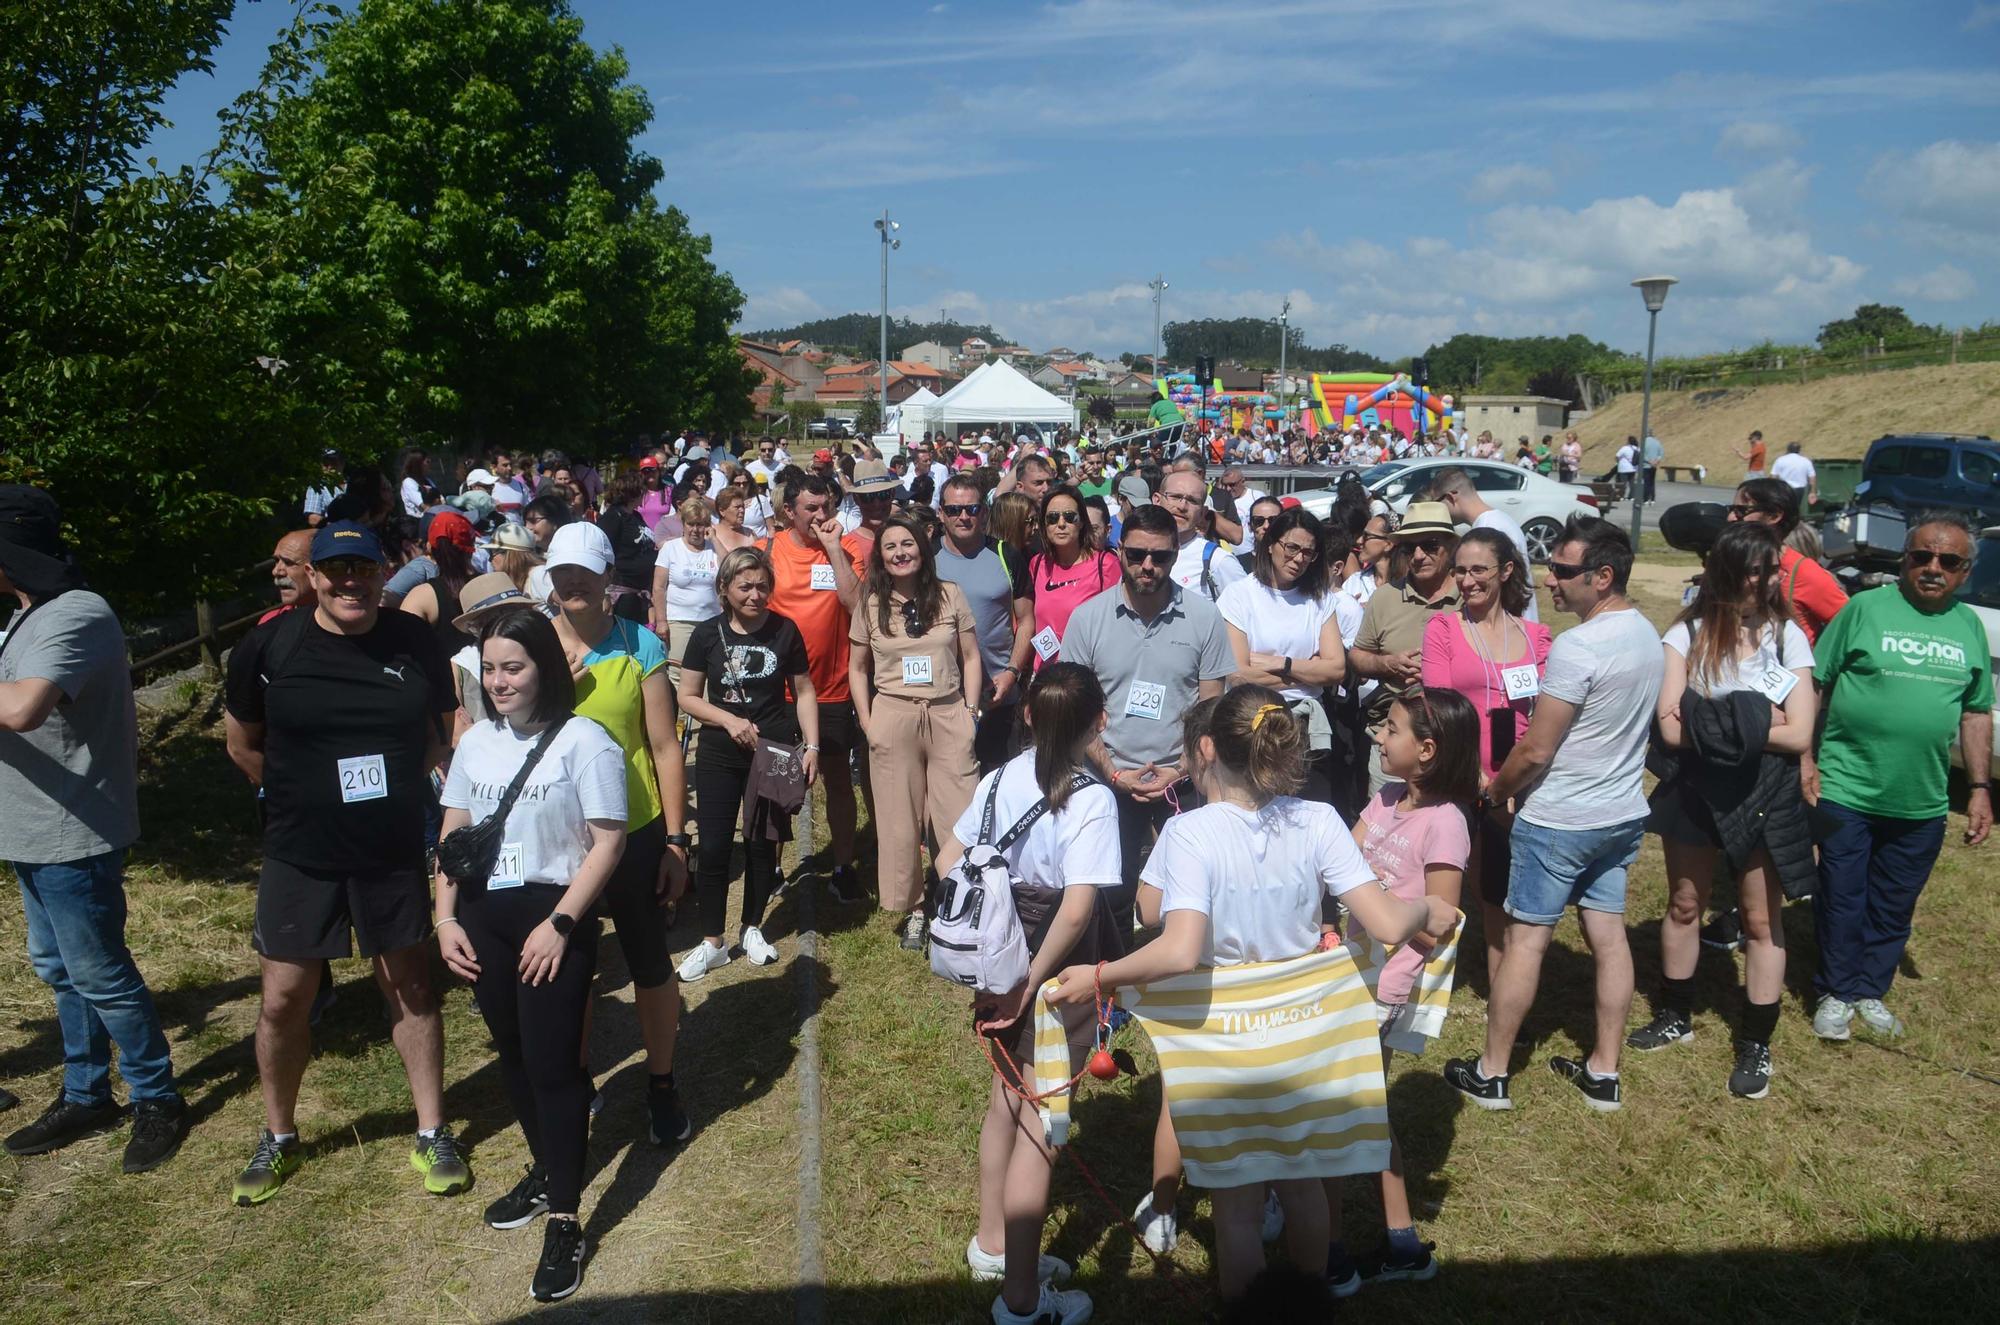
(1871, 871)
(76, 942)
(1553, 869)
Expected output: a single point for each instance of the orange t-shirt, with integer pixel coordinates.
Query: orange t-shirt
(1756, 465)
(812, 602)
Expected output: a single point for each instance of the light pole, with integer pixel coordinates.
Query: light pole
(1157, 285)
(1284, 386)
(1653, 289)
(888, 231)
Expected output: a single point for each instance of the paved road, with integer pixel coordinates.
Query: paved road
(1669, 494)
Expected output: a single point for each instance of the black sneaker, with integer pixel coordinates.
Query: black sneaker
(528, 1201)
(1389, 1266)
(669, 1124)
(1667, 1027)
(1752, 1078)
(158, 1128)
(1463, 1075)
(1600, 1093)
(62, 1123)
(1342, 1278)
(8, 1099)
(845, 885)
(1724, 933)
(560, 1271)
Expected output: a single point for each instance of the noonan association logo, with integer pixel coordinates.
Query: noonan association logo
(1925, 649)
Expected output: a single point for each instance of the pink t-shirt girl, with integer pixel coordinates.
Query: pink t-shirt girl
(1399, 846)
(1059, 592)
(1453, 662)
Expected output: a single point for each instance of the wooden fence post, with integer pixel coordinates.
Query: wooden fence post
(204, 629)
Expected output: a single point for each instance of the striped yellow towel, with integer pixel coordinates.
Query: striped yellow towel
(1272, 1069)
(1430, 996)
(1052, 1069)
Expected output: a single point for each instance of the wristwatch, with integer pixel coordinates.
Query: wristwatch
(1286, 670)
(684, 841)
(562, 922)
(1979, 786)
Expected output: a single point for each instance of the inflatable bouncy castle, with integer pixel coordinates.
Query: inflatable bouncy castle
(1348, 400)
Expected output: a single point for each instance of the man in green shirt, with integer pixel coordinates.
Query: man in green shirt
(1904, 668)
(1093, 481)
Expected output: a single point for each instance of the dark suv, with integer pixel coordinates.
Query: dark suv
(1931, 471)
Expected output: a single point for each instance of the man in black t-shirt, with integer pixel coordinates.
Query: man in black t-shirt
(340, 713)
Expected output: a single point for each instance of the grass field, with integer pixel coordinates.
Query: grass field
(1867, 1187)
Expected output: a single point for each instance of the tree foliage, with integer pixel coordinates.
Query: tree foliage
(1520, 365)
(861, 333)
(1253, 342)
(1872, 324)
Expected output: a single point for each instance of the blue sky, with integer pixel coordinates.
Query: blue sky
(1399, 169)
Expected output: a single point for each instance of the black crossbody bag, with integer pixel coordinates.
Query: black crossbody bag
(468, 856)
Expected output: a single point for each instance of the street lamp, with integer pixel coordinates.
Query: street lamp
(888, 231)
(1284, 385)
(1156, 285)
(1653, 289)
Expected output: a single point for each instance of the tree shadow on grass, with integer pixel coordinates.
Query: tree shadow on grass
(198, 815)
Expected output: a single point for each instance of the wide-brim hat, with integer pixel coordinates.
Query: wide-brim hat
(486, 594)
(1426, 517)
(872, 476)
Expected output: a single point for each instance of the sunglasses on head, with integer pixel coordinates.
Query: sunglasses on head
(1948, 562)
(1163, 556)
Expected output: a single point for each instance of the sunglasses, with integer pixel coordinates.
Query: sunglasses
(1563, 571)
(961, 511)
(1063, 517)
(1259, 521)
(1745, 512)
(1157, 556)
(1429, 546)
(1948, 562)
(347, 568)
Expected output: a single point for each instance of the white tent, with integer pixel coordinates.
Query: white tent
(998, 393)
(917, 414)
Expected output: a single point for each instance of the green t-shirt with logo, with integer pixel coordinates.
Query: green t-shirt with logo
(1899, 680)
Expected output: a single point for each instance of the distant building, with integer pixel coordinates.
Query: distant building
(1509, 417)
(974, 345)
(1060, 376)
(1129, 385)
(940, 357)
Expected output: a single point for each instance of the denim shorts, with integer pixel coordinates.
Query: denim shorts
(1554, 869)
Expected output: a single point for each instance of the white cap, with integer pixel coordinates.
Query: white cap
(580, 544)
(480, 477)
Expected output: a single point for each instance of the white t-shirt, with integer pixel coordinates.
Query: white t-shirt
(757, 513)
(1075, 845)
(1223, 568)
(690, 580)
(413, 497)
(1258, 877)
(1611, 668)
(1628, 459)
(1508, 525)
(581, 776)
(1281, 621)
(1794, 469)
(1788, 651)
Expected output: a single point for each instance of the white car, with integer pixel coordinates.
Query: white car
(1541, 505)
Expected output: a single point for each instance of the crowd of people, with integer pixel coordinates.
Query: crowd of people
(1221, 729)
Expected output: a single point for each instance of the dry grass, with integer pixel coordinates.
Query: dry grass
(1834, 416)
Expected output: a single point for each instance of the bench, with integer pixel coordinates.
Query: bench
(1606, 493)
(1698, 473)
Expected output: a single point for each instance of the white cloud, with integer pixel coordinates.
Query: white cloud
(1777, 190)
(1982, 16)
(1757, 138)
(1948, 193)
(1500, 183)
(1942, 284)
(779, 306)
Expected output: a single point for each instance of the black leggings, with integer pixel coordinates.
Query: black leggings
(537, 1029)
(718, 790)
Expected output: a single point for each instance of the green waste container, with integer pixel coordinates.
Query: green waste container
(1836, 484)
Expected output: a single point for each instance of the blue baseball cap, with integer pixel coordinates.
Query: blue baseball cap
(346, 538)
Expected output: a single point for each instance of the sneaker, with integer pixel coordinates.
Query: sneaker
(158, 1128)
(1056, 1306)
(8, 1099)
(61, 1123)
(270, 1164)
(1752, 1078)
(1667, 1027)
(1463, 1075)
(988, 1268)
(668, 1123)
(438, 1158)
(525, 1204)
(1724, 933)
(845, 885)
(704, 958)
(1274, 1218)
(1158, 1229)
(916, 932)
(1876, 1017)
(1831, 1017)
(1388, 1266)
(1343, 1279)
(757, 949)
(560, 1271)
(1600, 1093)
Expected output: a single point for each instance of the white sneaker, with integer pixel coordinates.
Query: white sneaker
(988, 1268)
(757, 950)
(1274, 1218)
(1831, 1018)
(1877, 1017)
(1158, 1229)
(1056, 1306)
(705, 957)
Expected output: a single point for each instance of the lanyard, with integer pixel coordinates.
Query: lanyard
(1490, 667)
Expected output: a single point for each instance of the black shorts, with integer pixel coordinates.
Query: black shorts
(631, 900)
(1493, 848)
(837, 730)
(304, 915)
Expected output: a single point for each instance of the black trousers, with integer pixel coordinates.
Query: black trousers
(1139, 822)
(718, 791)
(537, 1029)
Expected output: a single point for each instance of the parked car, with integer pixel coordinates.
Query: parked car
(1541, 505)
(1907, 473)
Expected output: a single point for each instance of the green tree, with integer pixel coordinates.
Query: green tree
(1102, 408)
(506, 276)
(868, 417)
(1871, 323)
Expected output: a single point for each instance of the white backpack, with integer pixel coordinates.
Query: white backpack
(976, 937)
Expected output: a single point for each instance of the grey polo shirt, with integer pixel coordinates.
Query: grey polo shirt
(1151, 671)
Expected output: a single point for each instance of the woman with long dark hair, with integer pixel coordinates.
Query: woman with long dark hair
(1070, 569)
(915, 674)
(415, 473)
(1737, 636)
(526, 937)
(1064, 860)
(632, 544)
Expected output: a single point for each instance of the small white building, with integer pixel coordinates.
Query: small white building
(931, 354)
(1509, 417)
